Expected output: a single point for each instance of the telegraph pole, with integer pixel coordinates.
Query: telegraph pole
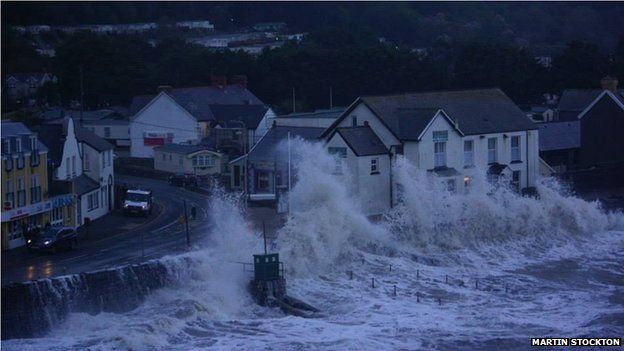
(331, 98)
(81, 96)
(294, 108)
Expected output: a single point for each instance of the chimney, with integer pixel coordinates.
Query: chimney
(220, 81)
(162, 88)
(239, 79)
(609, 83)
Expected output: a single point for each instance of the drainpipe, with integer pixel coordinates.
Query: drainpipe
(527, 158)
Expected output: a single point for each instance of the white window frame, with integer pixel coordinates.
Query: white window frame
(374, 168)
(18, 145)
(492, 152)
(515, 150)
(7, 146)
(439, 154)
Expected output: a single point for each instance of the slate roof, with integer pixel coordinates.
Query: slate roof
(251, 115)
(13, 130)
(183, 149)
(83, 184)
(266, 147)
(88, 137)
(329, 113)
(480, 111)
(559, 135)
(197, 101)
(362, 140)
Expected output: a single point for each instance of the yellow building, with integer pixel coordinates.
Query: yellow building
(25, 194)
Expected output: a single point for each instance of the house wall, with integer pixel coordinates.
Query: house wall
(601, 133)
(101, 170)
(119, 133)
(181, 163)
(162, 115)
(71, 152)
(372, 190)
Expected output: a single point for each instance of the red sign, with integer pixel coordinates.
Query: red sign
(153, 141)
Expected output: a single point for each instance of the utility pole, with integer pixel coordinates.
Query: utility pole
(81, 95)
(288, 172)
(188, 236)
(331, 98)
(294, 108)
(264, 236)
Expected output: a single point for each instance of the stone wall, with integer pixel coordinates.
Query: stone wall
(30, 309)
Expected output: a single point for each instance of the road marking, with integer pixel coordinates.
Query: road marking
(74, 258)
(164, 227)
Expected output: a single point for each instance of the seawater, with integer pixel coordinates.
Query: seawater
(485, 270)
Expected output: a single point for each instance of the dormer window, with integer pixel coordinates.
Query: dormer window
(18, 145)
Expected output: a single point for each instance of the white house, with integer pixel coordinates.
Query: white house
(82, 163)
(359, 150)
(187, 115)
(115, 131)
(452, 134)
(188, 159)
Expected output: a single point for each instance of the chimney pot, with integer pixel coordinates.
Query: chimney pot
(609, 83)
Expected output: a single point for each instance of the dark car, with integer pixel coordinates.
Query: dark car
(183, 180)
(53, 239)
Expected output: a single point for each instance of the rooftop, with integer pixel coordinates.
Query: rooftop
(559, 135)
(363, 141)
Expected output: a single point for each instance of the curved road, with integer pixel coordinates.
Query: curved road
(116, 240)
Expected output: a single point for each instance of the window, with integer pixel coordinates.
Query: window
(18, 145)
(56, 216)
(203, 161)
(439, 155)
(93, 201)
(515, 148)
(87, 162)
(440, 136)
(33, 143)
(9, 192)
(468, 153)
(35, 189)
(492, 150)
(21, 193)
(375, 165)
(164, 157)
(354, 121)
(515, 180)
(339, 153)
(73, 166)
(107, 132)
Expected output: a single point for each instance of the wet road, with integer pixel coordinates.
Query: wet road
(117, 240)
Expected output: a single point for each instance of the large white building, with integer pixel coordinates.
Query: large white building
(82, 164)
(453, 134)
(187, 115)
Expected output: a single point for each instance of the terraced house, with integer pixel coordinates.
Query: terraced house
(25, 202)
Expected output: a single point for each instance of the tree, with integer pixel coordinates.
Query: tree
(580, 65)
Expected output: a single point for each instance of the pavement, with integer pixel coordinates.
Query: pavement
(115, 239)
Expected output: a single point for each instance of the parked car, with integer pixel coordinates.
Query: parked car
(180, 179)
(138, 201)
(55, 238)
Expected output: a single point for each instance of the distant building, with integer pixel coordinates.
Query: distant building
(199, 160)
(316, 119)
(22, 85)
(559, 144)
(115, 131)
(187, 115)
(269, 26)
